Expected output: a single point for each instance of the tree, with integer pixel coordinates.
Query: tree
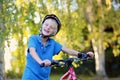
(2, 38)
(99, 20)
(97, 31)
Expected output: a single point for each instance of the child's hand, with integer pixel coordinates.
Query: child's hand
(90, 55)
(46, 62)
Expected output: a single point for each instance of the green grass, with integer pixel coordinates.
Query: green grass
(55, 76)
(12, 79)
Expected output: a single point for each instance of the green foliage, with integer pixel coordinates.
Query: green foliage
(12, 74)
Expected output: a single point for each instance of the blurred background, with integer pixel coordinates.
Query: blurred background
(87, 25)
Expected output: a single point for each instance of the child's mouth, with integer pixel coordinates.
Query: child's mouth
(46, 31)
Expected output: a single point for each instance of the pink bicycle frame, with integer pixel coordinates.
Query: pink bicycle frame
(69, 75)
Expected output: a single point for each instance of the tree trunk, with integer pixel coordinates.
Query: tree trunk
(1, 65)
(97, 40)
(2, 77)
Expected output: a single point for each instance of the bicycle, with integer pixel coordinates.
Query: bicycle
(70, 74)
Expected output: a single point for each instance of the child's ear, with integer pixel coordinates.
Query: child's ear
(55, 31)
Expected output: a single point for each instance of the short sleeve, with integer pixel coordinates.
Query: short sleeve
(58, 48)
(31, 42)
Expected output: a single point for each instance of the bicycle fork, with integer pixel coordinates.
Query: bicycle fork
(69, 75)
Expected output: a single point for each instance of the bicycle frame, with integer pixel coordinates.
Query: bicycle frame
(69, 75)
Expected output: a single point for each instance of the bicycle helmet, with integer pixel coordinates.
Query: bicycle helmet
(53, 16)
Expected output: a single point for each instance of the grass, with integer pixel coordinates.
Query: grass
(56, 76)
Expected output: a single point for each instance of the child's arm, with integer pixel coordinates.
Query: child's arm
(76, 53)
(37, 58)
(70, 51)
(34, 55)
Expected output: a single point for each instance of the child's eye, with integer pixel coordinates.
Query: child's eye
(46, 24)
(51, 27)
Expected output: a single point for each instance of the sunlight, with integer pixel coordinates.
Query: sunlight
(9, 48)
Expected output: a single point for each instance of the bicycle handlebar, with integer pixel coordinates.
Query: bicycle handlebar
(67, 61)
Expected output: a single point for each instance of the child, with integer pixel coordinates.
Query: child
(41, 49)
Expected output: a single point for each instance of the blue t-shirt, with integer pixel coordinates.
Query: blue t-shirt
(33, 71)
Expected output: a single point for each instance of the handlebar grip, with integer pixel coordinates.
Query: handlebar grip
(42, 65)
(81, 55)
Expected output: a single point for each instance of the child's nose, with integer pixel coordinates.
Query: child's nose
(47, 27)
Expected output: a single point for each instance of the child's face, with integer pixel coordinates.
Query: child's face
(49, 27)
